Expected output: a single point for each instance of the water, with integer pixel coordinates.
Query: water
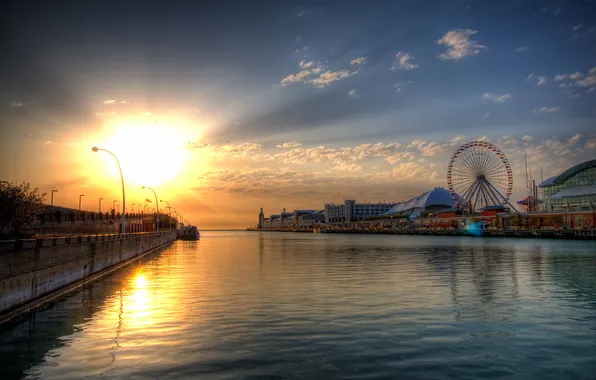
(240, 305)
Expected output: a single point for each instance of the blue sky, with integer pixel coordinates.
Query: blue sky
(363, 73)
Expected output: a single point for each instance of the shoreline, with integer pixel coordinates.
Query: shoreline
(515, 234)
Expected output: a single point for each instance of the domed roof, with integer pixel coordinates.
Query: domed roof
(436, 197)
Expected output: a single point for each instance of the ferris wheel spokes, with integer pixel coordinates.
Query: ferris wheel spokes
(478, 175)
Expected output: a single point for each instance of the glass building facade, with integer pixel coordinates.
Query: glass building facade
(573, 190)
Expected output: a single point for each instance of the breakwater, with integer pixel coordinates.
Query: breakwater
(583, 234)
(33, 270)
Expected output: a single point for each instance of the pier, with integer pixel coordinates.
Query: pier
(36, 271)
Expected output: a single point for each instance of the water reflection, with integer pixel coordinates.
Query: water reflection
(258, 305)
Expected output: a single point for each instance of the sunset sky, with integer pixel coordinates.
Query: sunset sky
(226, 107)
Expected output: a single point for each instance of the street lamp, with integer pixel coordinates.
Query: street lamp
(52, 204)
(114, 205)
(80, 196)
(156, 205)
(96, 149)
(177, 214)
(100, 199)
(170, 212)
(133, 208)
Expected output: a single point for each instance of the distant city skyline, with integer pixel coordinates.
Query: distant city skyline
(224, 108)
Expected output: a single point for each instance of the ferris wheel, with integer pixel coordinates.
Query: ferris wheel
(479, 175)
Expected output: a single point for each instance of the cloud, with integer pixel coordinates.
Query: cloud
(459, 45)
(315, 73)
(352, 93)
(496, 98)
(16, 104)
(331, 76)
(527, 138)
(520, 49)
(358, 61)
(303, 50)
(300, 14)
(588, 33)
(308, 70)
(574, 76)
(313, 171)
(539, 80)
(403, 61)
(146, 113)
(414, 170)
(111, 101)
(105, 113)
(398, 86)
(578, 79)
(589, 80)
(289, 145)
(545, 109)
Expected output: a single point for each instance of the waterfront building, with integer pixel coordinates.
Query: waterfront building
(572, 190)
(352, 211)
(296, 219)
(431, 202)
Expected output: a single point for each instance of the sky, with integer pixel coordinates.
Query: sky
(226, 107)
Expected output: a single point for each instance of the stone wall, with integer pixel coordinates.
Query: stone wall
(30, 269)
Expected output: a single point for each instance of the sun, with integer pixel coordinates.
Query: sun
(151, 152)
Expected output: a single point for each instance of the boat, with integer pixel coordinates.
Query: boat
(189, 233)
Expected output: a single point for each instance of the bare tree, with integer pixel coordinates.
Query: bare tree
(20, 207)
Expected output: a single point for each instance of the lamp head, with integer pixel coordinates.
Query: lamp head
(143, 187)
(95, 149)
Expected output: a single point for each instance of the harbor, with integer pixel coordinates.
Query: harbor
(560, 207)
(312, 190)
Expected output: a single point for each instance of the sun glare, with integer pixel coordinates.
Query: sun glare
(151, 152)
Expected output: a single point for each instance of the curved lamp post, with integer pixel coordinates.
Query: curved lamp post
(52, 205)
(156, 205)
(170, 212)
(96, 149)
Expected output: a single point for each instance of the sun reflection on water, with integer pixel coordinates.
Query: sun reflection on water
(142, 307)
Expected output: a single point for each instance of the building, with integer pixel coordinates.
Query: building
(433, 201)
(295, 220)
(572, 190)
(352, 211)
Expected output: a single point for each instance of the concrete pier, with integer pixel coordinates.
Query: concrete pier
(36, 268)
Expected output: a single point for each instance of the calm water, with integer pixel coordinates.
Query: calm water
(239, 305)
